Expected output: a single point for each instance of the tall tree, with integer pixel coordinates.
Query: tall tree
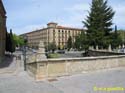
(116, 40)
(8, 42)
(51, 47)
(77, 43)
(99, 22)
(19, 41)
(12, 43)
(84, 41)
(122, 35)
(81, 42)
(69, 43)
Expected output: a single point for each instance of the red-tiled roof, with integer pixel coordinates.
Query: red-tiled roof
(58, 27)
(63, 27)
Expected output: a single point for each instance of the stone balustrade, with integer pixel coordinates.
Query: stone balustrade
(52, 68)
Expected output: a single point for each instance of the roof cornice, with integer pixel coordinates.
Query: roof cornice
(2, 6)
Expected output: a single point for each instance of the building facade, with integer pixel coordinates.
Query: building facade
(2, 30)
(52, 34)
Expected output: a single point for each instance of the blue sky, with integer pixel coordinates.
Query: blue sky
(28, 15)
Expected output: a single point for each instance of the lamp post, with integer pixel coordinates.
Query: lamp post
(24, 52)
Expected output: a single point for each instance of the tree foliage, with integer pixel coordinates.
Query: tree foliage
(8, 40)
(116, 40)
(98, 23)
(12, 40)
(77, 43)
(122, 35)
(12, 43)
(19, 41)
(81, 42)
(69, 43)
(51, 47)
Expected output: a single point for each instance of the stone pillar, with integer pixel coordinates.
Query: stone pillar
(109, 48)
(91, 48)
(123, 46)
(41, 52)
(97, 48)
(119, 46)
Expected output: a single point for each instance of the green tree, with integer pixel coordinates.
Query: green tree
(51, 47)
(81, 42)
(69, 43)
(12, 43)
(19, 41)
(13, 40)
(116, 39)
(122, 35)
(7, 41)
(77, 42)
(84, 41)
(98, 23)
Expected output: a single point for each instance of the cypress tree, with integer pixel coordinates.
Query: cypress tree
(98, 23)
(69, 43)
(77, 43)
(12, 44)
(116, 39)
(7, 41)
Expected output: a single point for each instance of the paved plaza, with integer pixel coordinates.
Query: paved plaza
(85, 83)
(13, 79)
(19, 81)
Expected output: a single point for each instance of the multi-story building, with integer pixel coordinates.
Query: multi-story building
(52, 34)
(2, 30)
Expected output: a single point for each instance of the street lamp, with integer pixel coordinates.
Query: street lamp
(24, 52)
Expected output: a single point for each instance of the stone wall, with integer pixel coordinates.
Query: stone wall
(52, 68)
(100, 53)
(2, 30)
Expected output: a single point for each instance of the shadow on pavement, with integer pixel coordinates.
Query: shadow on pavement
(7, 61)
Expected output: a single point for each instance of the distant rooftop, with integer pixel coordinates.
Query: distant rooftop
(54, 25)
(64, 27)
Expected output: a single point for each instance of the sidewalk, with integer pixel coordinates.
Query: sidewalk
(9, 65)
(14, 80)
(20, 82)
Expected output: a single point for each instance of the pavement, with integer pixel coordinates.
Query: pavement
(85, 83)
(13, 79)
(21, 82)
(9, 65)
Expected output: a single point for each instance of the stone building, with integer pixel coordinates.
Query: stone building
(2, 30)
(53, 33)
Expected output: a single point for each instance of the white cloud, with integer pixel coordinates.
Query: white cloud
(119, 15)
(34, 14)
(79, 7)
(77, 14)
(120, 11)
(80, 11)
